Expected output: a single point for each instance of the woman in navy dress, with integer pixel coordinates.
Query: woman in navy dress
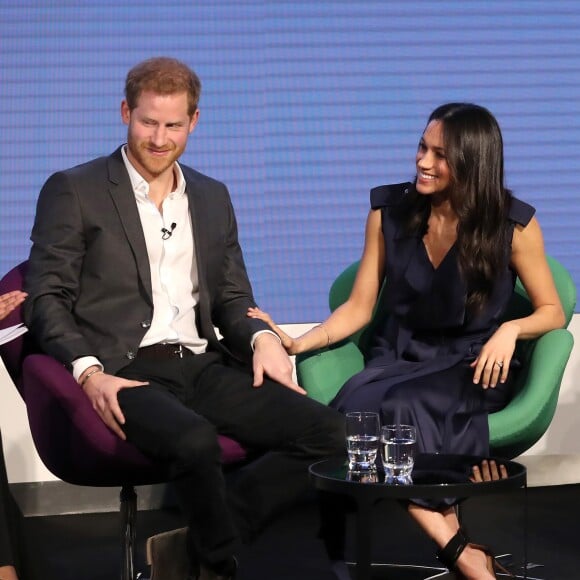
(450, 245)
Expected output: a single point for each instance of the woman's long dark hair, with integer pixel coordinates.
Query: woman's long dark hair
(474, 151)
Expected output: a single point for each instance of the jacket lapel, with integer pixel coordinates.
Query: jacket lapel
(195, 201)
(198, 212)
(122, 194)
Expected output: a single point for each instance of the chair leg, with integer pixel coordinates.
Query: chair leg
(128, 519)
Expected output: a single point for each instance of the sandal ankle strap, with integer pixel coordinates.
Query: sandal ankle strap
(452, 550)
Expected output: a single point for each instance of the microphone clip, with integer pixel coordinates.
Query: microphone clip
(167, 233)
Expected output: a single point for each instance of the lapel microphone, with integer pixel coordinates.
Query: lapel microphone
(166, 233)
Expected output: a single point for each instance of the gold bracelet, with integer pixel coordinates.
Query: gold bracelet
(323, 328)
(89, 375)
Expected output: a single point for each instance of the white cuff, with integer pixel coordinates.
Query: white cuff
(80, 365)
(256, 334)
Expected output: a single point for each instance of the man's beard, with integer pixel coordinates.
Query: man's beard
(154, 165)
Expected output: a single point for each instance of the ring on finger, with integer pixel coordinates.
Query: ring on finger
(499, 363)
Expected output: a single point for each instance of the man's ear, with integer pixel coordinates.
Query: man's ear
(125, 112)
(194, 120)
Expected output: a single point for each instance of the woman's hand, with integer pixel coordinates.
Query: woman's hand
(493, 363)
(287, 341)
(9, 301)
(489, 470)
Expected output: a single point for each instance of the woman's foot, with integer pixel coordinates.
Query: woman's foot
(469, 561)
(475, 564)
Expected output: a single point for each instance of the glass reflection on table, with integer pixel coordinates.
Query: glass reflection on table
(368, 476)
(432, 470)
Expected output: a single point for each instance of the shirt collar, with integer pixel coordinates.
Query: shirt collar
(141, 186)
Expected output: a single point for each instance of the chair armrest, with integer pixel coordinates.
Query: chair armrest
(322, 373)
(45, 376)
(527, 416)
(55, 400)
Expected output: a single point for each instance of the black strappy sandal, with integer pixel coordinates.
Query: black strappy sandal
(449, 554)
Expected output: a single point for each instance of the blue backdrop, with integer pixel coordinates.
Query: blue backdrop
(305, 107)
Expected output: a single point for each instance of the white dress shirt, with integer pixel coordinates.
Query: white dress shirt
(171, 253)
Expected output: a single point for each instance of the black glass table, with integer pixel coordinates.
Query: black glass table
(435, 477)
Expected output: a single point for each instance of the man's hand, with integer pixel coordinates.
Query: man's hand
(271, 359)
(102, 389)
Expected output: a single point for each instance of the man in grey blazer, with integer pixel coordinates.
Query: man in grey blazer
(135, 260)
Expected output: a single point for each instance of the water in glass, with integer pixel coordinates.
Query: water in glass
(398, 444)
(362, 451)
(362, 439)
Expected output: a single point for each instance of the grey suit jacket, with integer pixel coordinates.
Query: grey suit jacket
(89, 280)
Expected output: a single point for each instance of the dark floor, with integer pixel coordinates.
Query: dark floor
(86, 547)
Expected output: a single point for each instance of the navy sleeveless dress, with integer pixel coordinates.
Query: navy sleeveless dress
(417, 371)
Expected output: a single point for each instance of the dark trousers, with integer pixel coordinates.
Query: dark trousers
(177, 417)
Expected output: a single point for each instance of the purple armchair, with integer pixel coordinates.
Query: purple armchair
(72, 441)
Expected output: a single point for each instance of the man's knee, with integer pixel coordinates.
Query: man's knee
(196, 446)
(330, 432)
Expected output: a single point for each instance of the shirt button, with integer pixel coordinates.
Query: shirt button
(146, 324)
(130, 355)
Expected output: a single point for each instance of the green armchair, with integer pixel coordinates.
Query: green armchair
(517, 426)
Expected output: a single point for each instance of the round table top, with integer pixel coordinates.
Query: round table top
(435, 476)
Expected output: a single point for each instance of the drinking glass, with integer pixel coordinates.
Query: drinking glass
(362, 439)
(398, 444)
